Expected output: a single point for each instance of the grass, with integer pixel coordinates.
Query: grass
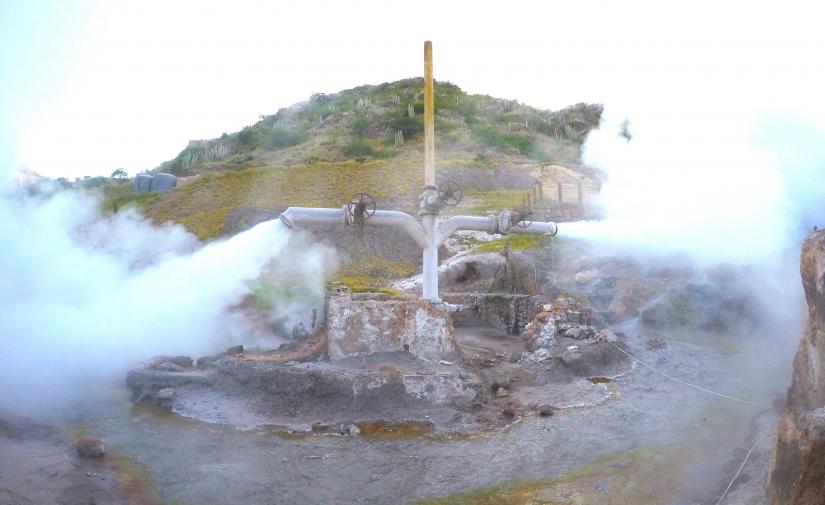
(122, 197)
(496, 200)
(203, 204)
(516, 243)
(373, 275)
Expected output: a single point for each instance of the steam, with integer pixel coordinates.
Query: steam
(84, 296)
(742, 192)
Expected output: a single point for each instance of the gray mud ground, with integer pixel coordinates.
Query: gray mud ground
(652, 441)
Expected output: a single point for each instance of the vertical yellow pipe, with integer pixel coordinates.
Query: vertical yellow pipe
(429, 117)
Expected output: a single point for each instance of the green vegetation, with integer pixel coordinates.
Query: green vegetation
(516, 243)
(373, 275)
(282, 137)
(522, 143)
(484, 202)
(357, 149)
(202, 205)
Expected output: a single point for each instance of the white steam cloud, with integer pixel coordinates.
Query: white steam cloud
(85, 296)
(732, 190)
(717, 185)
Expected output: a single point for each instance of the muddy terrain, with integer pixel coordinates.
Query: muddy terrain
(624, 383)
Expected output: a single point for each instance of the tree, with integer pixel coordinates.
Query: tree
(119, 174)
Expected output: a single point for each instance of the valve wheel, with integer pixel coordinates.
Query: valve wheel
(523, 217)
(361, 207)
(449, 193)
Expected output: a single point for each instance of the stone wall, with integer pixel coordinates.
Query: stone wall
(362, 324)
(797, 470)
(508, 312)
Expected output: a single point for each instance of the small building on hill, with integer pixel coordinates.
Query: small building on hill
(560, 184)
(157, 183)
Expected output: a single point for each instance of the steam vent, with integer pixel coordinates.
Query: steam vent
(406, 293)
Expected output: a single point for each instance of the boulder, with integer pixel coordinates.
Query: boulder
(183, 362)
(90, 447)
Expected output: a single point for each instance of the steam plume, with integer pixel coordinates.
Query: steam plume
(83, 296)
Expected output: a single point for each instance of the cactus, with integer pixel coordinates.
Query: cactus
(410, 110)
(399, 138)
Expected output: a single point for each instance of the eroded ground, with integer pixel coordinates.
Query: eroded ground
(629, 436)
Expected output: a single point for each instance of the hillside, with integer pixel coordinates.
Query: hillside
(319, 152)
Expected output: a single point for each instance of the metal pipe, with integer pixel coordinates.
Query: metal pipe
(429, 117)
(477, 223)
(429, 290)
(398, 219)
(537, 228)
(295, 217)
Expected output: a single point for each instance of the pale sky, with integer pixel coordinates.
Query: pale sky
(88, 87)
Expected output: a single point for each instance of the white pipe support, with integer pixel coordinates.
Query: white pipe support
(429, 277)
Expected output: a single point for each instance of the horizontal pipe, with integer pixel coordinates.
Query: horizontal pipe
(537, 228)
(402, 220)
(476, 223)
(295, 217)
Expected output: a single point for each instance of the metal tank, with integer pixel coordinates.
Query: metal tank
(143, 183)
(162, 182)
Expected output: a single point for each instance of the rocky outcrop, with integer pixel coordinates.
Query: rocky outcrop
(566, 346)
(797, 470)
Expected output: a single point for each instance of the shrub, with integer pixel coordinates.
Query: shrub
(410, 126)
(358, 149)
(359, 127)
(282, 137)
(524, 144)
(247, 137)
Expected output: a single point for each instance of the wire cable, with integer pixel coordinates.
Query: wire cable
(748, 455)
(680, 381)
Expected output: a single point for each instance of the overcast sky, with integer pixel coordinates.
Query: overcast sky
(91, 86)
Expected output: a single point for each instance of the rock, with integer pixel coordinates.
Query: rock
(534, 358)
(586, 276)
(167, 366)
(165, 394)
(90, 447)
(607, 335)
(546, 410)
(656, 343)
(501, 381)
(544, 338)
(235, 350)
(502, 393)
(181, 361)
(348, 429)
(205, 361)
(509, 410)
(797, 467)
